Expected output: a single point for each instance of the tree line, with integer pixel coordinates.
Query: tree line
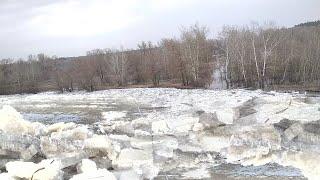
(256, 56)
(259, 57)
(311, 23)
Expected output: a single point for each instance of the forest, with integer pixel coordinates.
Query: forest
(253, 56)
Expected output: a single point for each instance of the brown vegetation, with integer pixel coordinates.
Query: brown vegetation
(252, 56)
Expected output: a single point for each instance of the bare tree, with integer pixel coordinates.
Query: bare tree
(119, 66)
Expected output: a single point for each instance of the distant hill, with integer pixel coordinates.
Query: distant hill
(308, 24)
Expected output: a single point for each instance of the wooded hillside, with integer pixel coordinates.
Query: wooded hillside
(249, 56)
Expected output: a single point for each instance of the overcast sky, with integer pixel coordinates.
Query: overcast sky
(71, 27)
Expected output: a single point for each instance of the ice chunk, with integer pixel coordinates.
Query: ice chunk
(182, 124)
(307, 162)
(12, 122)
(100, 174)
(102, 162)
(133, 157)
(25, 169)
(52, 147)
(140, 123)
(198, 127)
(51, 170)
(214, 143)
(275, 111)
(141, 143)
(18, 146)
(141, 133)
(87, 166)
(45, 170)
(201, 173)
(57, 127)
(270, 112)
(160, 127)
(129, 174)
(100, 144)
(165, 146)
(302, 112)
(190, 148)
(77, 133)
(71, 159)
(252, 142)
(124, 128)
(29, 152)
(210, 120)
(6, 176)
(148, 171)
(39, 129)
(228, 115)
(112, 115)
(293, 131)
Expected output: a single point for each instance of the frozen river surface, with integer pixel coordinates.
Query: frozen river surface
(192, 134)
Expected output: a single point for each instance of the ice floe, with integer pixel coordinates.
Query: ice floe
(160, 132)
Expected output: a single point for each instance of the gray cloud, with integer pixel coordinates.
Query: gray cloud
(71, 27)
